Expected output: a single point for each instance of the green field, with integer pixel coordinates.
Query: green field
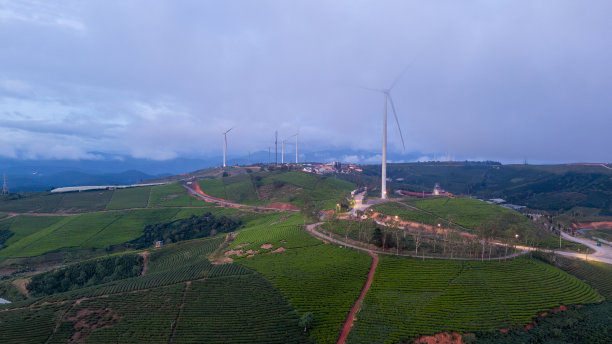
(130, 198)
(411, 297)
(46, 202)
(25, 225)
(173, 195)
(466, 212)
(85, 231)
(405, 212)
(324, 279)
(548, 187)
(597, 275)
(240, 306)
(267, 187)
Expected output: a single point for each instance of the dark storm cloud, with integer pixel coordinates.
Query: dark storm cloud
(160, 79)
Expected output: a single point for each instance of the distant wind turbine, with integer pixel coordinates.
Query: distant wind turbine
(296, 146)
(388, 100)
(225, 144)
(283, 148)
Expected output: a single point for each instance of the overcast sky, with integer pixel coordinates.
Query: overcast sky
(500, 80)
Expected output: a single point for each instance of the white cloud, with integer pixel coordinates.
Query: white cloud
(42, 13)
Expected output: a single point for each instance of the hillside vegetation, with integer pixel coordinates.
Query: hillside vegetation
(548, 187)
(410, 297)
(297, 188)
(170, 195)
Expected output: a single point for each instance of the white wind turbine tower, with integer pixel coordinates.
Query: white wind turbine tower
(283, 147)
(225, 144)
(388, 100)
(296, 137)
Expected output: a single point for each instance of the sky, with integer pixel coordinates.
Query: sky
(482, 80)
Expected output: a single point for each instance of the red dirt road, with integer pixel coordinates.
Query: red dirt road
(346, 328)
(596, 225)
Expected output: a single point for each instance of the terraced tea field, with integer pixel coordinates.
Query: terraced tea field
(130, 198)
(182, 298)
(410, 297)
(324, 279)
(597, 275)
(266, 187)
(467, 212)
(92, 230)
(173, 195)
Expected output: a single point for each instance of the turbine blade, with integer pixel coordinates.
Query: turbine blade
(401, 74)
(229, 130)
(370, 89)
(397, 120)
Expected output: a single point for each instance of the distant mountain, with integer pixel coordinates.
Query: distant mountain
(40, 175)
(41, 182)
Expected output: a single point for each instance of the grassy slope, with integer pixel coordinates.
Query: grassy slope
(266, 187)
(410, 297)
(173, 195)
(597, 275)
(130, 198)
(254, 311)
(92, 230)
(549, 187)
(314, 277)
(24, 225)
(470, 214)
(467, 212)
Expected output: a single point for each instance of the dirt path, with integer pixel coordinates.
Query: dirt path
(180, 311)
(145, 261)
(194, 189)
(346, 328)
(8, 216)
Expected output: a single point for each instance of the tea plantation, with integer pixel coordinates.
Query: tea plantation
(411, 297)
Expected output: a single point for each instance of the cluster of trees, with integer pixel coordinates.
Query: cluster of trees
(5, 234)
(185, 229)
(86, 274)
(446, 241)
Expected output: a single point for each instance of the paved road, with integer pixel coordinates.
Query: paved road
(602, 253)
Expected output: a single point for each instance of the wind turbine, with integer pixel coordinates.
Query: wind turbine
(296, 146)
(225, 144)
(388, 100)
(283, 148)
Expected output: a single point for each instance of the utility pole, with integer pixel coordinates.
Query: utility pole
(269, 156)
(276, 148)
(4, 187)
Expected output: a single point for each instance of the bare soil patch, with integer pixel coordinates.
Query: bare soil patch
(88, 320)
(267, 246)
(145, 262)
(595, 225)
(21, 284)
(279, 250)
(440, 338)
(282, 206)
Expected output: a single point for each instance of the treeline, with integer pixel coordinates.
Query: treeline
(86, 274)
(5, 234)
(185, 229)
(579, 324)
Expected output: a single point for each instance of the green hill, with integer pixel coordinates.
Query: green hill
(257, 281)
(268, 187)
(548, 187)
